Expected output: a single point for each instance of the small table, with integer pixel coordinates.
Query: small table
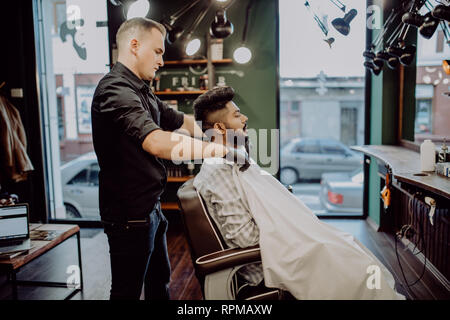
(62, 232)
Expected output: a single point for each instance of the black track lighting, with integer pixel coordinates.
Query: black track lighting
(393, 63)
(383, 55)
(395, 51)
(378, 62)
(342, 25)
(408, 55)
(375, 70)
(175, 32)
(413, 19)
(369, 55)
(428, 28)
(441, 12)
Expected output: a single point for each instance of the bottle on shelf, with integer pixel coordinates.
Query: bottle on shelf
(203, 83)
(427, 156)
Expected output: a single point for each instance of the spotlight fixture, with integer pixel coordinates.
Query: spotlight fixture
(427, 23)
(397, 48)
(194, 44)
(243, 54)
(175, 32)
(378, 62)
(378, 59)
(393, 63)
(375, 70)
(413, 19)
(342, 25)
(408, 55)
(369, 55)
(221, 27)
(383, 55)
(441, 12)
(429, 26)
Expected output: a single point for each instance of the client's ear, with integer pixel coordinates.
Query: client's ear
(220, 128)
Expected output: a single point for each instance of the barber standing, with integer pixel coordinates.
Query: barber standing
(131, 133)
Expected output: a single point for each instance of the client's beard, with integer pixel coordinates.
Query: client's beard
(240, 140)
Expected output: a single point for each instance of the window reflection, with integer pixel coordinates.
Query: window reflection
(432, 113)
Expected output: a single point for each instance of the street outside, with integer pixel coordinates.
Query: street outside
(308, 192)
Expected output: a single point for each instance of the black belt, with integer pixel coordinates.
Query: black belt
(132, 223)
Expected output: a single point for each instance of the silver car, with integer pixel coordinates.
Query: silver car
(309, 158)
(80, 187)
(342, 191)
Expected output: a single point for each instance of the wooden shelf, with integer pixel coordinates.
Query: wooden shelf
(179, 179)
(169, 206)
(192, 61)
(177, 93)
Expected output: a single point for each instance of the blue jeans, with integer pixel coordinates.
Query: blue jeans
(139, 257)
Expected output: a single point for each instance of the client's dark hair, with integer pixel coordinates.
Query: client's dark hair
(211, 101)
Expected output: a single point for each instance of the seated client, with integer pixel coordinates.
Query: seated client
(299, 253)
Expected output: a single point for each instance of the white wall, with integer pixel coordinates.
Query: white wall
(321, 119)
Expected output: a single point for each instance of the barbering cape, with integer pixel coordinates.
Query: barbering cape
(303, 255)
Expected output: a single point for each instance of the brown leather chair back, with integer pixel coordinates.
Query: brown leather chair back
(201, 232)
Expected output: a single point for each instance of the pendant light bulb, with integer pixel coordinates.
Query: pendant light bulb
(193, 46)
(242, 55)
(138, 9)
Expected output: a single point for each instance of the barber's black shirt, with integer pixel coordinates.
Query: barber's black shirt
(124, 111)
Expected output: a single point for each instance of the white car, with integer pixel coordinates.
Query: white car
(80, 187)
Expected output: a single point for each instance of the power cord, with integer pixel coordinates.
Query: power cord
(404, 232)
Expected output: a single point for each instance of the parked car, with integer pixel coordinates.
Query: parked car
(342, 191)
(309, 158)
(79, 179)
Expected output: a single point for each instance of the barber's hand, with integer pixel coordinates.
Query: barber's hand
(238, 156)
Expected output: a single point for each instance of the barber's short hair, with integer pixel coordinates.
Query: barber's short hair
(211, 101)
(135, 25)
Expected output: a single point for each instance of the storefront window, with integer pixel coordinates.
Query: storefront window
(74, 56)
(432, 89)
(322, 106)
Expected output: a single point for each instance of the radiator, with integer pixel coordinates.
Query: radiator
(435, 244)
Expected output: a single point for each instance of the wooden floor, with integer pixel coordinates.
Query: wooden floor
(184, 285)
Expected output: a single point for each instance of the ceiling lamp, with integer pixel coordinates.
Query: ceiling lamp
(342, 25)
(138, 9)
(243, 54)
(429, 26)
(221, 27)
(194, 44)
(441, 12)
(175, 32)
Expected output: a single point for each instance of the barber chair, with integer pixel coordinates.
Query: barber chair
(215, 264)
